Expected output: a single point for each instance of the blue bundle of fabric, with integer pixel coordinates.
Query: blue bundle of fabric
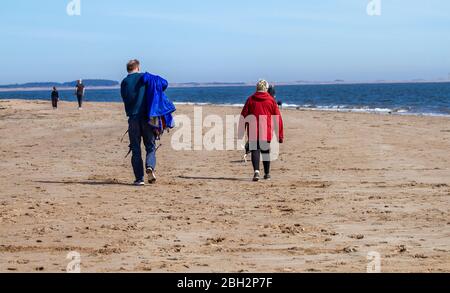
(160, 107)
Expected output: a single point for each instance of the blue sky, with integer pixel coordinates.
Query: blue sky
(204, 40)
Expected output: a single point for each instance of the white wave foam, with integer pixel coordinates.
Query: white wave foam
(331, 108)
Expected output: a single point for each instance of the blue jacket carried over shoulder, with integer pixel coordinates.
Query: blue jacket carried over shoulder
(160, 108)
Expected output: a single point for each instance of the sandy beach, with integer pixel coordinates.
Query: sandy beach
(346, 184)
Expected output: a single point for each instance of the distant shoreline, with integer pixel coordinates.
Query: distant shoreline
(209, 85)
(32, 89)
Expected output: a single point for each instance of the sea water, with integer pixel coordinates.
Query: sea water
(394, 98)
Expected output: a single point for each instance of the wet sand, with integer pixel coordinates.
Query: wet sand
(345, 184)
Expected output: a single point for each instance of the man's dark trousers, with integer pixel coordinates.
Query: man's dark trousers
(139, 129)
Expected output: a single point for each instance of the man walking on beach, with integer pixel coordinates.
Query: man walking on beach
(133, 91)
(79, 92)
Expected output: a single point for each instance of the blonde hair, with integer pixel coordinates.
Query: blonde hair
(262, 86)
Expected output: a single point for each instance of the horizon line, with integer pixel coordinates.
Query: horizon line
(230, 84)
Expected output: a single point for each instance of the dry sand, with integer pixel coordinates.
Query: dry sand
(346, 184)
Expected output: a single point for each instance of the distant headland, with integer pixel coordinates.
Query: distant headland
(71, 84)
(113, 84)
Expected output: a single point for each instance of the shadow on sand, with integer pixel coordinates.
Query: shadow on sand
(240, 161)
(213, 178)
(93, 182)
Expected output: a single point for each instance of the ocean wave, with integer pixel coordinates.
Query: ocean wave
(332, 108)
(345, 108)
(395, 111)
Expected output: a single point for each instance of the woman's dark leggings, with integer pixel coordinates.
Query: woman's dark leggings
(55, 103)
(256, 157)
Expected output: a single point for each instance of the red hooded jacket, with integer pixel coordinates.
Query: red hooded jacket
(258, 115)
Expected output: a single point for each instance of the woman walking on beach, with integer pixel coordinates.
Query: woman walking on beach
(55, 98)
(260, 117)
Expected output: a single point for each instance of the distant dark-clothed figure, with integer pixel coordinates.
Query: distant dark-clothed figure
(272, 92)
(55, 98)
(79, 92)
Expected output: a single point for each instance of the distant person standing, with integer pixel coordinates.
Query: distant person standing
(272, 92)
(79, 92)
(55, 98)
